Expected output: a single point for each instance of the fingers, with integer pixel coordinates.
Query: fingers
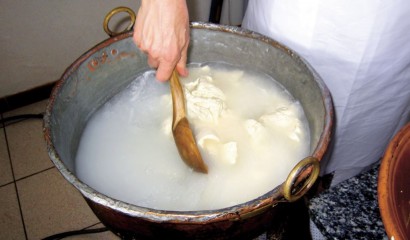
(164, 62)
(165, 59)
(165, 67)
(174, 57)
(164, 71)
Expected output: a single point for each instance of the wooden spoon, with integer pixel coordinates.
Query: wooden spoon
(183, 136)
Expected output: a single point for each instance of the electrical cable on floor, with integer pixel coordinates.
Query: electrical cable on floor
(6, 121)
(76, 232)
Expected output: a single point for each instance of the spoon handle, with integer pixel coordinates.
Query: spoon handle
(178, 99)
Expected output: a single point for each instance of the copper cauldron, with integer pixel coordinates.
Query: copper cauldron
(109, 67)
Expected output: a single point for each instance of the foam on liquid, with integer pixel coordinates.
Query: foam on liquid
(252, 140)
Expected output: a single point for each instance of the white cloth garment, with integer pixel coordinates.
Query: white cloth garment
(361, 49)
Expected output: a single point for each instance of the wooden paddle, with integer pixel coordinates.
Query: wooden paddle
(183, 136)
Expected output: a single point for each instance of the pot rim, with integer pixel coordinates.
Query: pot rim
(240, 211)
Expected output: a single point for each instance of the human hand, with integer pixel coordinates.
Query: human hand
(162, 32)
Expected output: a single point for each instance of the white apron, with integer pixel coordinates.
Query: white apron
(361, 49)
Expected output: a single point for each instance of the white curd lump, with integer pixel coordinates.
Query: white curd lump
(249, 129)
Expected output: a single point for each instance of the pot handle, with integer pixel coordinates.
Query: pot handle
(112, 13)
(290, 192)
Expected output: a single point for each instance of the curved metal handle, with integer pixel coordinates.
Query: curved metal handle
(292, 194)
(112, 13)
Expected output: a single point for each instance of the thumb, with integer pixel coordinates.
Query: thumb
(181, 65)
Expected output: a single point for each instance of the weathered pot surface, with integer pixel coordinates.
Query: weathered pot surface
(110, 66)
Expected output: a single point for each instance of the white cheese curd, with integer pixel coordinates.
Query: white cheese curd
(249, 129)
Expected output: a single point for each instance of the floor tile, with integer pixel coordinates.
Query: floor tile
(35, 108)
(52, 205)
(5, 168)
(28, 151)
(11, 225)
(107, 235)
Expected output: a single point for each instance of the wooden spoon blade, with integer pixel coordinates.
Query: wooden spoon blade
(183, 136)
(187, 148)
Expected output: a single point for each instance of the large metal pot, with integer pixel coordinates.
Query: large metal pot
(107, 68)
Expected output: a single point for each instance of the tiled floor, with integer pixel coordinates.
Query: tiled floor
(35, 200)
